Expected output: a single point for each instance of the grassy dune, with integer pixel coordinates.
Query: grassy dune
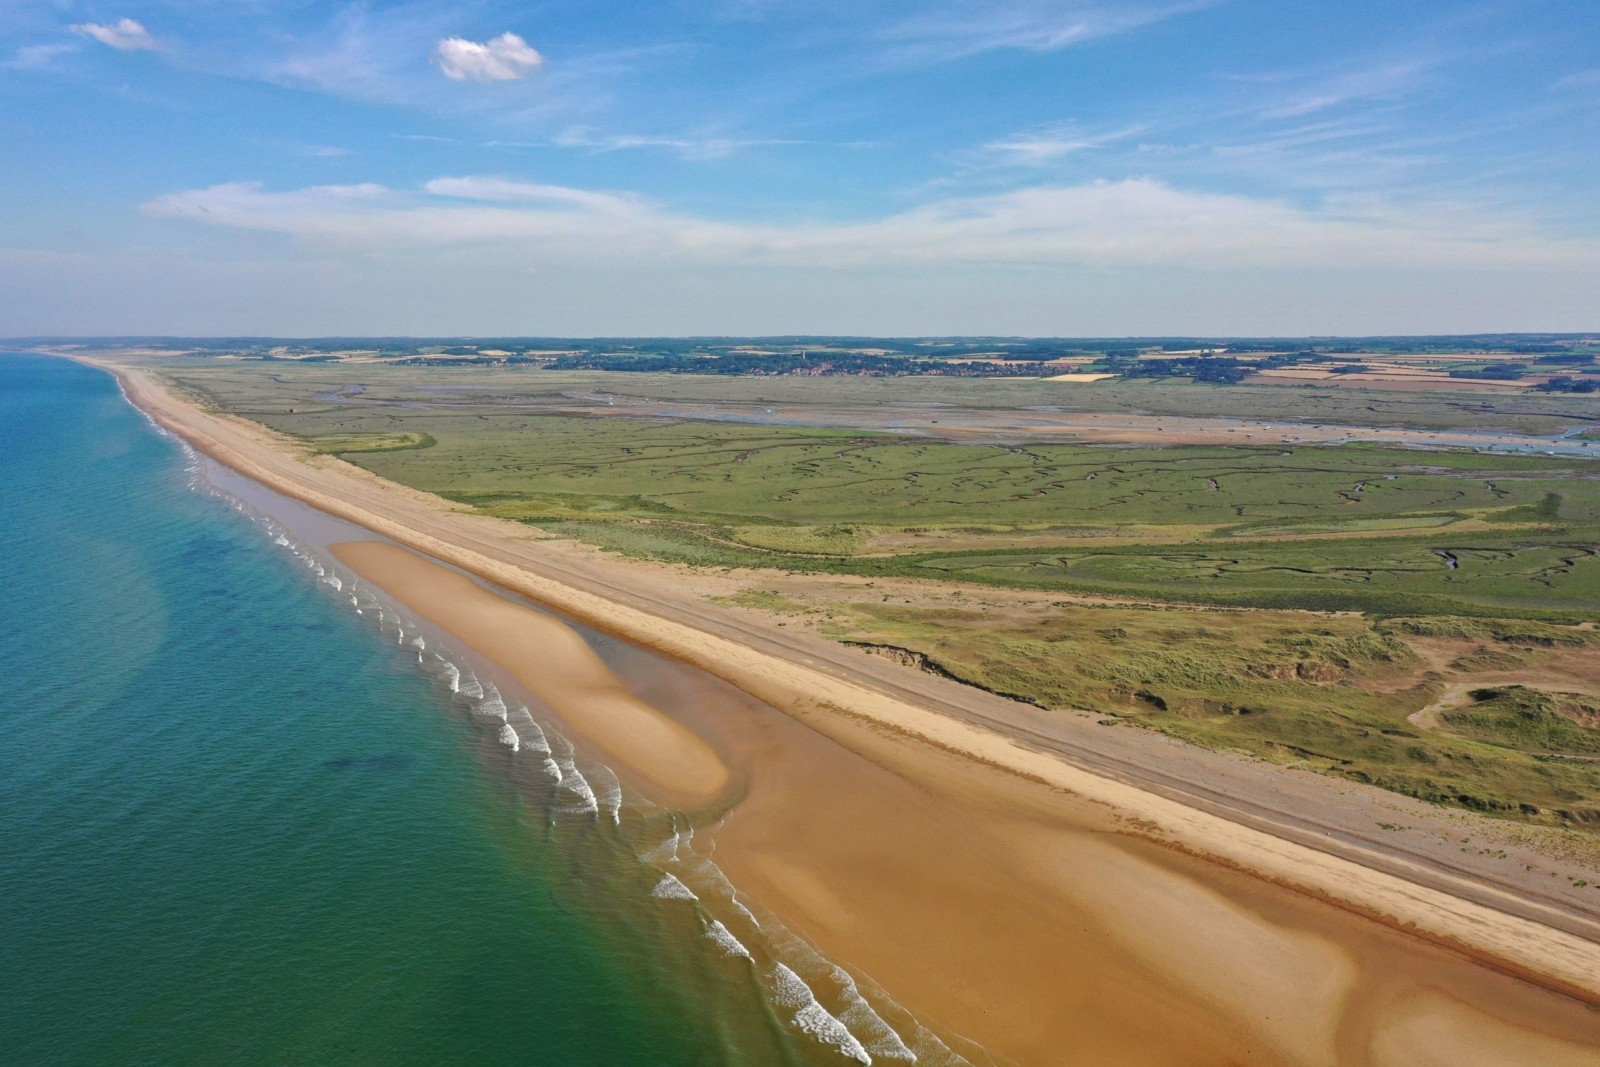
(1332, 694)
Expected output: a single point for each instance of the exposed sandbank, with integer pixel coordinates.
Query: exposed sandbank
(554, 663)
(1003, 909)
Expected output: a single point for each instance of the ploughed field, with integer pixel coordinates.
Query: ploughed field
(1415, 619)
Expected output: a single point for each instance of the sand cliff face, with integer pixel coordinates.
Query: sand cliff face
(1048, 912)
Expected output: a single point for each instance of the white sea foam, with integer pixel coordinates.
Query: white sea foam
(580, 799)
(665, 852)
(746, 912)
(790, 991)
(532, 733)
(608, 791)
(508, 737)
(559, 746)
(418, 643)
(669, 888)
(879, 1038)
(452, 676)
(280, 540)
(469, 686)
(490, 705)
(720, 936)
(551, 769)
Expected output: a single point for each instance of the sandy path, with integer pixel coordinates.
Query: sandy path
(1561, 958)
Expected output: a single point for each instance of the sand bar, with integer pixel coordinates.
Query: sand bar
(999, 907)
(555, 665)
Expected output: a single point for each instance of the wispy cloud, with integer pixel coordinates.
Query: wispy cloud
(1379, 82)
(125, 34)
(956, 29)
(37, 56)
(1135, 222)
(689, 147)
(1583, 79)
(499, 59)
(510, 190)
(1045, 144)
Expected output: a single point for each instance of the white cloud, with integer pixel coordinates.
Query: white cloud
(687, 147)
(1130, 223)
(1049, 143)
(508, 190)
(125, 35)
(503, 58)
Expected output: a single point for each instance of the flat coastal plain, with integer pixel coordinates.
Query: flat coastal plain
(977, 863)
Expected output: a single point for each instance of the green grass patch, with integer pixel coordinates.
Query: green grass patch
(764, 600)
(348, 444)
(1270, 684)
(1529, 720)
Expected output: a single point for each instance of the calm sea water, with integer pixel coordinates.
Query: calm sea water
(238, 827)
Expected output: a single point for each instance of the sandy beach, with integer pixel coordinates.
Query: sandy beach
(555, 665)
(1049, 913)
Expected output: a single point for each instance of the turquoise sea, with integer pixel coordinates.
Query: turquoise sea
(238, 825)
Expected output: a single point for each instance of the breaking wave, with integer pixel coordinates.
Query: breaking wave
(809, 1017)
(826, 1005)
(669, 888)
(720, 936)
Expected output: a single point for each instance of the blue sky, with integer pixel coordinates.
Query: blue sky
(762, 166)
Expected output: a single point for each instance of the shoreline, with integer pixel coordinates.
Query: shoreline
(557, 666)
(841, 707)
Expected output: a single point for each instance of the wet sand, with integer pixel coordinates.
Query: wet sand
(1052, 914)
(1023, 917)
(659, 754)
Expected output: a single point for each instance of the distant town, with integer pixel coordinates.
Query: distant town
(1564, 363)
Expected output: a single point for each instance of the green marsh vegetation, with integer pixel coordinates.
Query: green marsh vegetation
(272, 389)
(1354, 528)
(1296, 603)
(349, 444)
